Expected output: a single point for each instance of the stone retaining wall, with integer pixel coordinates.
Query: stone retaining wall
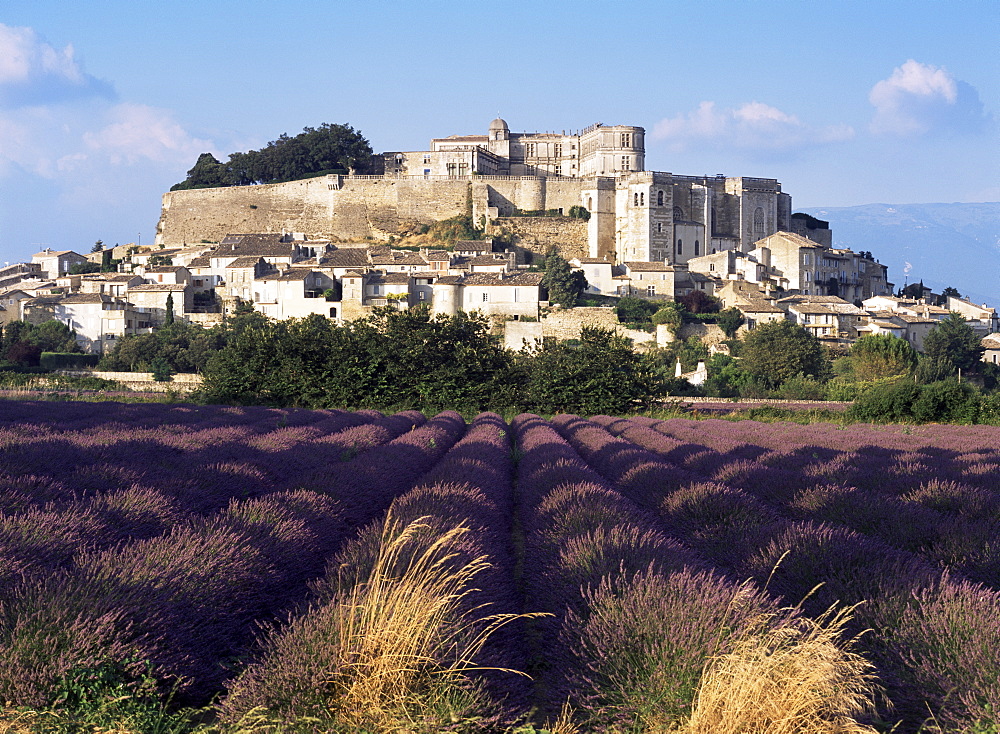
(142, 381)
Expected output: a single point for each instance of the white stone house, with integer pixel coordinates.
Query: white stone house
(55, 263)
(98, 320)
(296, 293)
(150, 303)
(982, 319)
(653, 280)
(599, 273)
(111, 284)
(991, 344)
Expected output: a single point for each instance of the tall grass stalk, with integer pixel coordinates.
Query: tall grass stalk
(799, 676)
(408, 640)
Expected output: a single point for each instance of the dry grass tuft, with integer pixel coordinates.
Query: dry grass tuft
(798, 676)
(408, 636)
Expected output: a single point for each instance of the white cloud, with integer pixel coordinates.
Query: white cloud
(34, 72)
(57, 121)
(918, 99)
(754, 125)
(135, 132)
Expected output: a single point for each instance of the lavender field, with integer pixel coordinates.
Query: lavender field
(211, 552)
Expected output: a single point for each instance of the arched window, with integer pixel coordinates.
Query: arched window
(758, 223)
(659, 198)
(697, 251)
(678, 213)
(590, 203)
(680, 246)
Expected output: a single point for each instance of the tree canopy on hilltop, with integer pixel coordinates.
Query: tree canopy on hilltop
(328, 148)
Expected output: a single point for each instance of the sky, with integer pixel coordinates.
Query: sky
(104, 106)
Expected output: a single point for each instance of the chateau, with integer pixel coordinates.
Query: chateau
(635, 214)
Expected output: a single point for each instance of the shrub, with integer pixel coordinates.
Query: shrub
(801, 387)
(947, 401)
(631, 310)
(68, 360)
(886, 401)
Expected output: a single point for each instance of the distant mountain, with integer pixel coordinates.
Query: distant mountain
(954, 245)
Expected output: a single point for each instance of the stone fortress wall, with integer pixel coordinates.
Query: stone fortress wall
(337, 207)
(636, 215)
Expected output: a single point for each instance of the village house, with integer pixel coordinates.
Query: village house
(55, 263)
(99, 320)
(991, 345)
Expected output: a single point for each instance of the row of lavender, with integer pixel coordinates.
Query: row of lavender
(935, 639)
(177, 570)
(123, 538)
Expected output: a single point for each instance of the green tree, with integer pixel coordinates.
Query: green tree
(602, 374)
(670, 314)
(954, 341)
(696, 301)
(947, 293)
(774, 352)
(53, 336)
(632, 310)
(330, 147)
(98, 246)
(875, 356)
(730, 320)
(563, 283)
(169, 318)
(84, 268)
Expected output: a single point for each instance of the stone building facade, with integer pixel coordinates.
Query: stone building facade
(634, 214)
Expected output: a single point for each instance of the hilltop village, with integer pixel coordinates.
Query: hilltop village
(339, 246)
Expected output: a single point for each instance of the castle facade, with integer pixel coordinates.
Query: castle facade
(634, 214)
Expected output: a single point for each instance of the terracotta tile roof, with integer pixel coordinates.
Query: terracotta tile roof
(112, 277)
(149, 287)
(265, 245)
(201, 262)
(345, 259)
(449, 280)
(398, 258)
(649, 267)
(86, 298)
(491, 259)
(499, 279)
(810, 308)
(245, 262)
(812, 299)
(991, 341)
(166, 269)
(755, 306)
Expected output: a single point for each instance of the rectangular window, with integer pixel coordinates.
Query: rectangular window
(421, 295)
(559, 170)
(486, 297)
(529, 150)
(557, 150)
(427, 160)
(626, 140)
(650, 290)
(626, 164)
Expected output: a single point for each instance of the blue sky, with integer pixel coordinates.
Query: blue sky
(103, 106)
